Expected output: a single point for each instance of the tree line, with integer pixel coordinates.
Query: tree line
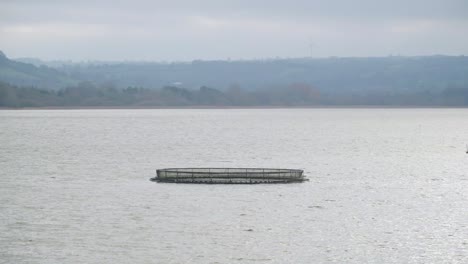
(88, 94)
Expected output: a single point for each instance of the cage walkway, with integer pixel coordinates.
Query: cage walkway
(229, 175)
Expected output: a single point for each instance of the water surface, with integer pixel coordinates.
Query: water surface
(386, 185)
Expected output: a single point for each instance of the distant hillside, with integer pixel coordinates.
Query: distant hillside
(329, 75)
(332, 76)
(24, 74)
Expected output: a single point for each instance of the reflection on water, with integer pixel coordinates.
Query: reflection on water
(386, 185)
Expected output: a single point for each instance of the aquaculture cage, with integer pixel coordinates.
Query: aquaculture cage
(229, 175)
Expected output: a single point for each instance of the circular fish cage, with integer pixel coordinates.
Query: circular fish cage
(229, 175)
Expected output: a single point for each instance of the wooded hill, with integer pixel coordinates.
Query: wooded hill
(430, 80)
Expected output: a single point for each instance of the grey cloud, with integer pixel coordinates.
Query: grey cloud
(244, 29)
(334, 9)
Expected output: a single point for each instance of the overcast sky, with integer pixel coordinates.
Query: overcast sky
(175, 30)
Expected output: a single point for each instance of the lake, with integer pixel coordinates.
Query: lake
(386, 185)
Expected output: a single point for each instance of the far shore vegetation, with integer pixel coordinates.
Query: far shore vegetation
(87, 94)
(427, 81)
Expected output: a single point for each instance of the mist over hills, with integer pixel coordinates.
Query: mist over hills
(395, 80)
(327, 74)
(25, 74)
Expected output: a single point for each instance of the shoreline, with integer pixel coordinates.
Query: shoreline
(231, 107)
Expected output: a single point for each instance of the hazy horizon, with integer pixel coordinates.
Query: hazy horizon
(237, 30)
(137, 61)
